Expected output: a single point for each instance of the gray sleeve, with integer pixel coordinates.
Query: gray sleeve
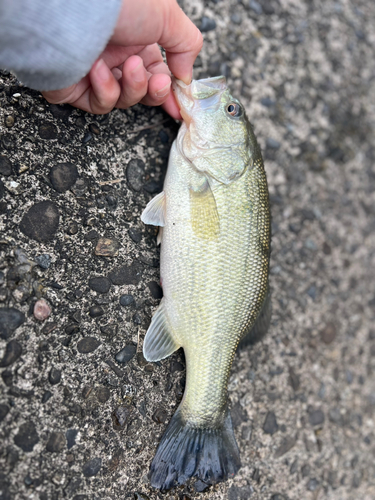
(51, 44)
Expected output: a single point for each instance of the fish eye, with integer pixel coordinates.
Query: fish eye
(234, 109)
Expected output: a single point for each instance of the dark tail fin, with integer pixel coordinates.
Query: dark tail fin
(184, 451)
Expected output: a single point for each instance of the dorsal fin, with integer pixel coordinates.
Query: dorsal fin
(159, 342)
(154, 213)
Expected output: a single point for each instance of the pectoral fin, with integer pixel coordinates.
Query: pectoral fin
(159, 342)
(154, 213)
(203, 213)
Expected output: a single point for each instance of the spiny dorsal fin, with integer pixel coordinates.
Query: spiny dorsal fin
(154, 213)
(159, 342)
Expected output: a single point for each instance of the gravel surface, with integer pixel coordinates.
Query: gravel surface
(81, 410)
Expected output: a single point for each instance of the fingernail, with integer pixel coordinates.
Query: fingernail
(164, 91)
(138, 73)
(187, 79)
(102, 70)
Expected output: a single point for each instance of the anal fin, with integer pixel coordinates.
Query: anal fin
(159, 342)
(154, 213)
(261, 325)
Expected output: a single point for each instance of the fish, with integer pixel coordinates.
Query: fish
(214, 228)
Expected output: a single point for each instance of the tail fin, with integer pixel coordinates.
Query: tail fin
(184, 451)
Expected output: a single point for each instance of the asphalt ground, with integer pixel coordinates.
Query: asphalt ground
(81, 411)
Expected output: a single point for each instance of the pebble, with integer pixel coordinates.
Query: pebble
(71, 329)
(135, 235)
(94, 128)
(126, 300)
(201, 486)
(63, 176)
(5, 166)
(9, 121)
(4, 410)
(46, 396)
(61, 111)
(28, 481)
(153, 187)
(256, 7)
(267, 102)
(91, 235)
(328, 334)
(270, 425)
(100, 284)
(140, 496)
(13, 351)
(121, 415)
(236, 18)
(160, 416)
(54, 376)
(102, 394)
(72, 228)
(71, 435)
(56, 442)
(41, 310)
(2, 189)
(155, 289)
(107, 247)
(87, 345)
(294, 379)
(207, 24)
(294, 466)
(135, 171)
(27, 437)
(287, 444)
(239, 414)
(80, 121)
(175, 366)
(92, 467)
(126, 354)
(316, 417)
(87, 137)
(43, 260)
(10, 320)
(278, 496)
(272, 143)
(47, 131)
(41, 221)
(312, 484)
(163, 136)
(126, 275)
(237, 493)
(305, 470)
(96, 311)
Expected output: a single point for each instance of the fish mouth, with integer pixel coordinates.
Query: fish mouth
(203, 94)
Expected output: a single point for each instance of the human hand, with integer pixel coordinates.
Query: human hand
(131, 68)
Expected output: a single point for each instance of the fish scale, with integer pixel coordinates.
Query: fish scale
(214, 263)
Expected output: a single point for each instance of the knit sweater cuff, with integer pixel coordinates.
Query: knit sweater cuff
(53, 44)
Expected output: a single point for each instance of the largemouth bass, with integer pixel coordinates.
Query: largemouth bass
(214, 223)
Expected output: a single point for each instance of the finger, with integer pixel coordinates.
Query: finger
(170, 106)
(104, 92)
(159, 90)
(69, 94)
(159, 87)
(133, 83)
(165, 23)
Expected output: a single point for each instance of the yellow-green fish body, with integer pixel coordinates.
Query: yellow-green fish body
(215, 246)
